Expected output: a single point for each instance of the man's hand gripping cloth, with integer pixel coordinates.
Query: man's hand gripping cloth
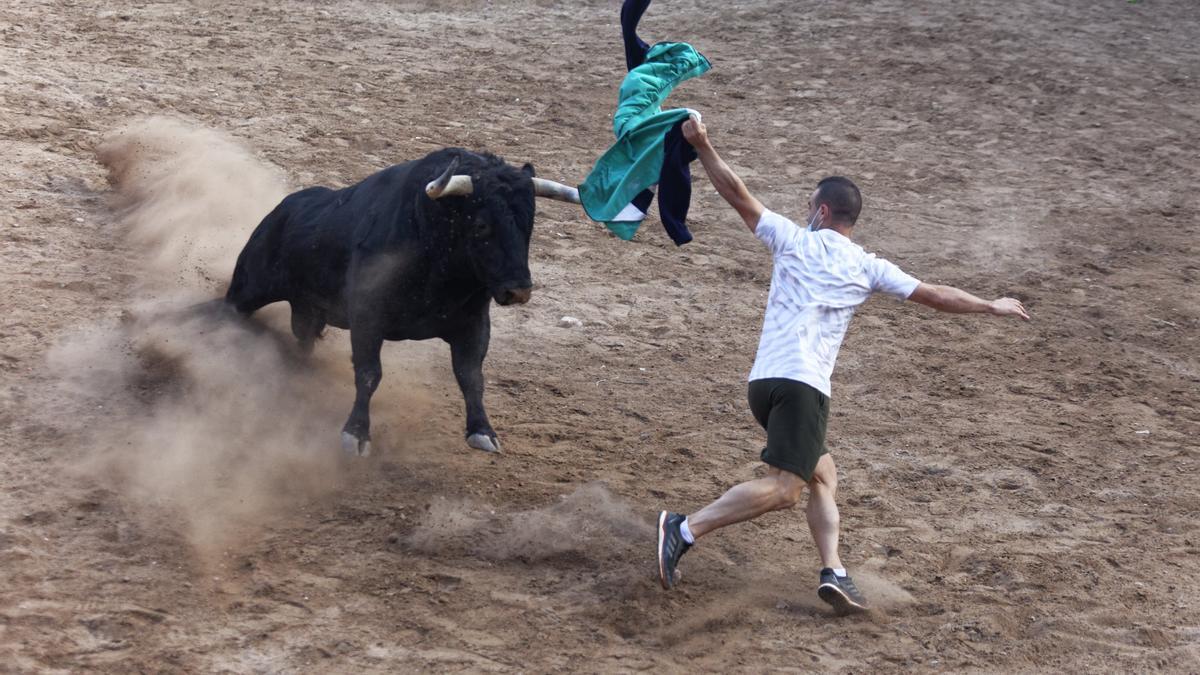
(642, 128)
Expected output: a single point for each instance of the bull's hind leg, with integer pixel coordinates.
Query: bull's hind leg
(365, 345)
(307, 325)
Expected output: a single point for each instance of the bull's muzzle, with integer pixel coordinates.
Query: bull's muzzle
(513, 296)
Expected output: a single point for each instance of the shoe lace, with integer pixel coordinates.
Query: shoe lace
(680, 546)
(848, 584)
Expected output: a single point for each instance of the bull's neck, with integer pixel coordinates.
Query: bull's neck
(446, 261)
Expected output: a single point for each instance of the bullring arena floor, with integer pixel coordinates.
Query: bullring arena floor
(1016, 497)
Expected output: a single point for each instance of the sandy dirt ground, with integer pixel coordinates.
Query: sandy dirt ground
(1016, 497)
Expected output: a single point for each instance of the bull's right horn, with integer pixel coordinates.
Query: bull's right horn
(551, 190)
(449, 185)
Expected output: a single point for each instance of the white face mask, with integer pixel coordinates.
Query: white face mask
(812, 222)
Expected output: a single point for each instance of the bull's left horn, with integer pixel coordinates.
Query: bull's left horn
(449, 185)
(551, 190)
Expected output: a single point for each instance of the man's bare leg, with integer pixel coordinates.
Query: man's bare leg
(822, 511)
(836, 587)
(777, 490)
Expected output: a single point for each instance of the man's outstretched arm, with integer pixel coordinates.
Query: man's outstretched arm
(727, 183)
(957, 301)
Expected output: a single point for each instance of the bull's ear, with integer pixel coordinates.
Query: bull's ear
(528, 170)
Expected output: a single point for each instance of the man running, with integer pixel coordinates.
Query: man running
(820, 277)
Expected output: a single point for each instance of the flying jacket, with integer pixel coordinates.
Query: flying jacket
(635, 161)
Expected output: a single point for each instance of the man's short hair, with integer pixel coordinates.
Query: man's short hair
(842, 197)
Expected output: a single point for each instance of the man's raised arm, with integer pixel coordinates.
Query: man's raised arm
(727, 183)
(957, 301)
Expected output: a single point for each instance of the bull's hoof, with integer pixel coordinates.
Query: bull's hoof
(354, 446)
(484, 442)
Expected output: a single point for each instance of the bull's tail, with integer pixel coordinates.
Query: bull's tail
(216, 312)
(217, 308)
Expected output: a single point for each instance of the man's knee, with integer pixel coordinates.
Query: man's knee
(825, 474)
(788, 489)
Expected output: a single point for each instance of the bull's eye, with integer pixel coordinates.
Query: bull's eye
(483, 228)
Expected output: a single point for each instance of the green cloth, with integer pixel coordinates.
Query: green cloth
(640, 124)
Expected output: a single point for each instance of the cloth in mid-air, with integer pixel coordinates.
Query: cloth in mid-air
(820, 277)
(650, 148)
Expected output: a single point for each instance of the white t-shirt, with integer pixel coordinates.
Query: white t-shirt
(818, 281)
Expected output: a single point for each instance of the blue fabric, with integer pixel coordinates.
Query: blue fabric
(635, 49)
(635, 55)
(675, 185)
(650, 147)
(675, 177)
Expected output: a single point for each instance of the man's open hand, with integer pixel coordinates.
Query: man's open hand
(1007, 307)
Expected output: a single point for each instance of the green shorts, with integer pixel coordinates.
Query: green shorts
(794, 415)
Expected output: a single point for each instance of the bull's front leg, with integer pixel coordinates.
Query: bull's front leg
(467, 351)
(365, 343)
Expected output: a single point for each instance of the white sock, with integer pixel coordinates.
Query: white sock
(686, 532)
(839, 571)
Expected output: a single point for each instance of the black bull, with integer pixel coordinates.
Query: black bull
(387, 261)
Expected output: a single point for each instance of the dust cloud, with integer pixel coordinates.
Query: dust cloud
(209, 425)
(586, 521)
(187, 197)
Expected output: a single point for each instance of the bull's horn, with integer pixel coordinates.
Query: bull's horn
(448, 184)
(552, 190)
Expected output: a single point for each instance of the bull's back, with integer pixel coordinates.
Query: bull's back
(301, 251)
(295, 234)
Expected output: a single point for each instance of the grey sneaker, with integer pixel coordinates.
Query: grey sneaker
(841, 593)
(671, 546)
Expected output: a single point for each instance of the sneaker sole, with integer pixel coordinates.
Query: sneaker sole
(662, 532)
(837, 598)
